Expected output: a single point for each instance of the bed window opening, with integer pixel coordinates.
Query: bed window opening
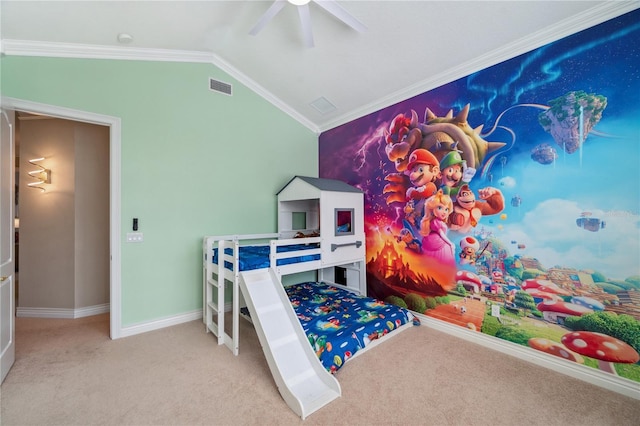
(299, 220)
(344, 221)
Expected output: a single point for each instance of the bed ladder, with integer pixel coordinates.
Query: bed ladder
(215, 297)
(302, 380)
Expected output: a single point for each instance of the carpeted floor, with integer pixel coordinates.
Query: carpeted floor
(68, 372)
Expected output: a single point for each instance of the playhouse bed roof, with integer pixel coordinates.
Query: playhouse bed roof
(324, 184)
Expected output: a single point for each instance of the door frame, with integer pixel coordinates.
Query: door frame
(115, 289)
(8, 308)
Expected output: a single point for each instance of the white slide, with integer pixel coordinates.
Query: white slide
(301, 378)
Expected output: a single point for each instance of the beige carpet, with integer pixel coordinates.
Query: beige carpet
(68, 372)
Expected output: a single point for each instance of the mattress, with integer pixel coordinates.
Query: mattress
(257, 256)
(339, 323)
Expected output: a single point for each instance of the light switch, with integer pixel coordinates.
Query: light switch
(134, 237)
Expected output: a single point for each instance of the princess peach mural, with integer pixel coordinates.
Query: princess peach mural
(507, 202)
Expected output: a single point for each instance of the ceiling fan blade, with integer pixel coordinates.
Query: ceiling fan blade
(342, 14)
(305, 20)
(267, 16)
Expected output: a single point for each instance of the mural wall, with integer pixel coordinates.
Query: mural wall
(508, 201)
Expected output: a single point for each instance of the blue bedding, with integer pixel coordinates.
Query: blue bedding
(339, 323)
(257, 257)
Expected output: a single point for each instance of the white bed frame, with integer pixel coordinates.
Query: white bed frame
(218, 280)
(325, 212)
(300, 377)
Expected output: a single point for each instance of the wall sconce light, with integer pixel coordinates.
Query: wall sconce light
(42, 175)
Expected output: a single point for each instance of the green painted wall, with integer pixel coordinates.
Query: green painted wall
(194, 162)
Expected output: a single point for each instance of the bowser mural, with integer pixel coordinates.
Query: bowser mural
(508, 202)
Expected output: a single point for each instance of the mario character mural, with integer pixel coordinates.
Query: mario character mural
(426, 205)
(429, 203)
(562, 254)
(423, 171)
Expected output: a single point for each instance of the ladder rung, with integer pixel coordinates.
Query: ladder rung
(213, 327)
(215, 307)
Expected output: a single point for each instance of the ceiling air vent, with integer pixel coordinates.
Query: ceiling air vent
(323, 105)
(219, 86)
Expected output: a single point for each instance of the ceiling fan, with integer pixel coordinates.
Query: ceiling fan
(330, 6)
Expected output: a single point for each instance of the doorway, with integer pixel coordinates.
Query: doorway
(113, 124)
(63, 217)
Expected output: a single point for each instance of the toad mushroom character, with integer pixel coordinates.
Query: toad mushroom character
(550, 347)
(604, 348)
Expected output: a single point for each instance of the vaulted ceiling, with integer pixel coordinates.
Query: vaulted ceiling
(408, 47)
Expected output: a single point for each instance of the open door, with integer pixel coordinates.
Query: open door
(7, 284)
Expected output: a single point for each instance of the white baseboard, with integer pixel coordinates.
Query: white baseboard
(62, 312)
(591, 375)
(132, 330)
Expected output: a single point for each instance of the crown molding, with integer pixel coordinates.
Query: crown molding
(587, 19)
(264, 93)
(11, 47)
(601, 12)
(85, 51)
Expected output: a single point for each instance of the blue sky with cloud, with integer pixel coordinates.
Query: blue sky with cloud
(604, 182)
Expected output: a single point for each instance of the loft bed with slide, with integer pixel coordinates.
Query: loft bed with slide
(307, 330)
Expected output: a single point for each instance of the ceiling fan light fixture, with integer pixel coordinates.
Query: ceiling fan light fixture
(331, 6)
